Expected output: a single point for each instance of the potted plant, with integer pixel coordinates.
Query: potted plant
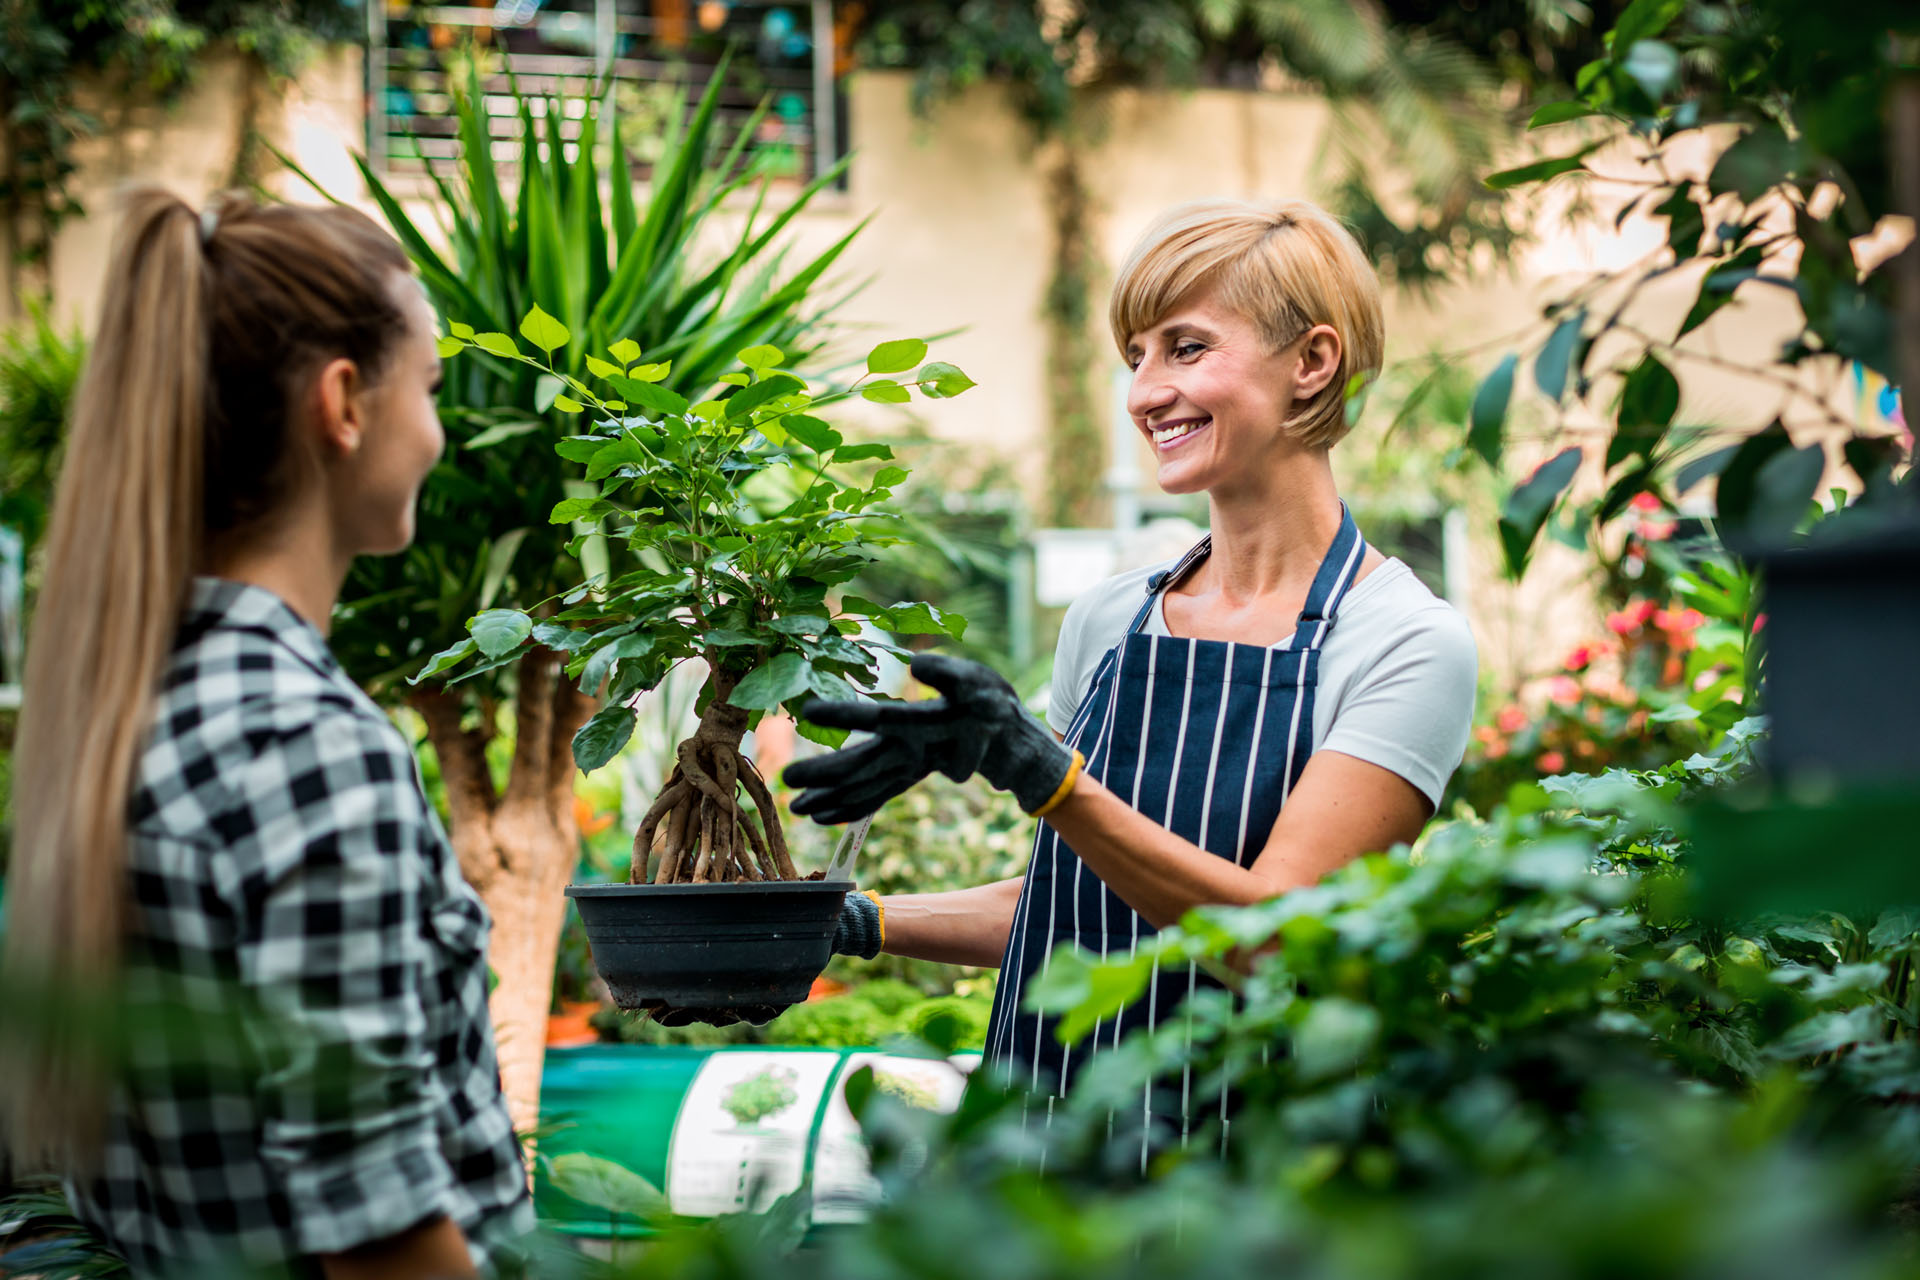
(734, 519)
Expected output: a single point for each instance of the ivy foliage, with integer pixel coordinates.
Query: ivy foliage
(737, 517)
(1810, 168)
(50, 48)
(1415, 83)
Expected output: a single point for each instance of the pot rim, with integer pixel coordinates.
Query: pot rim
(729, 888)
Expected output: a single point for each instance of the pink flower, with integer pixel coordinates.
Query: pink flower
(1511, 718)
(1564, 690)
(1645, 502)
(1550, 762)
(1759, 621)
(1657, 530)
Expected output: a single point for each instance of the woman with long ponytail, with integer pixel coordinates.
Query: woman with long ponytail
(217, 836)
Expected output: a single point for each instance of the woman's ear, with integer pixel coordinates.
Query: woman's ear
(1320, 353)
(339, 416)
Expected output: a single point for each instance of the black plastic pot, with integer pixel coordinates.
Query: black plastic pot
(710, 946)
(1842, 635)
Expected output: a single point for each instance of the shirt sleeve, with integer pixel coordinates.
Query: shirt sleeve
(1065, 691)
(1412, 711)
(331, 831)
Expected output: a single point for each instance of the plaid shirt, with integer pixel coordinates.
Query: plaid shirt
(309, 1064)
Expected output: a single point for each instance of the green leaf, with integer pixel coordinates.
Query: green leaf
(499, 560)
(1642, 20)
(1559, 113)
(811, 432)
(723, 637)
(940, 381)
(896, 357)
(501, 431)
(863, 452)
(804, 624)
(1783, 489)
(626, 351)
(1649, 398)
(545, 388)
(567, 404)
(567, 510)
(459, 330)
(914, 618)
(500, 631)
(1527, 507)
(1334, 1037)
(762, 357)
(1550, 366)
(649, 396)
(1486, 422)
(543, 331)
(559, 636)
(601, 369)
(451, 656)
(498, 344)
(886, 391)
(771, 683)
(605, 1185)
(622, 452)
(887, 477)
(1734, 496)
(1685, 222)
(449, 347)
(600, 738)
(1757, 161)
(1540, 170)
(747, 399)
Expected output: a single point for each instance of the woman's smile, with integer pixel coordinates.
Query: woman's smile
(1172, 435)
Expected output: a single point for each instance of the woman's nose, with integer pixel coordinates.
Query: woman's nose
(1147, 392)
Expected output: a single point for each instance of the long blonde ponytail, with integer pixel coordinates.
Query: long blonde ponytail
(179, 433)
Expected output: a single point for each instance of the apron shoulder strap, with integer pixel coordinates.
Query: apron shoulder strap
(1337, 572)
(1158, 582)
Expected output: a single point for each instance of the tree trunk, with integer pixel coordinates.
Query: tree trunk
(518, 850)
(1077, 437)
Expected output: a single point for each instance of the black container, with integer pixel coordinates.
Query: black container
(710, 946)
(1842, 637)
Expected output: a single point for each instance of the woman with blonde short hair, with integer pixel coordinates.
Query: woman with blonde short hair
(1225, 727)
(215, 830)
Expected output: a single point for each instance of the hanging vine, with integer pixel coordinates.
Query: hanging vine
(132, 50)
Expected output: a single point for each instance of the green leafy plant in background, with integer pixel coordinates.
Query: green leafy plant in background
(559, 224)
(738, 517)
(1813, 110)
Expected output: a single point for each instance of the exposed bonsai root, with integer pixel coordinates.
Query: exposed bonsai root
(697, 831)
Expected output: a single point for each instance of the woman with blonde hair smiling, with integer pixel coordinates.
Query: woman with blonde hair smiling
(213, 825)
(1279, 701)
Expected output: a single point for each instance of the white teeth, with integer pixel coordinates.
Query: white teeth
(1163, 434)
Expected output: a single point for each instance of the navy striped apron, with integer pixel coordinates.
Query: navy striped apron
(1206, 737)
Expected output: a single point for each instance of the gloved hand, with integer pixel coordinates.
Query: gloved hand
(977, 726)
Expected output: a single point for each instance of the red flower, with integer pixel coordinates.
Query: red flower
(1645, 502)
(1759, 621)
(1511, 718)
(1550, 762)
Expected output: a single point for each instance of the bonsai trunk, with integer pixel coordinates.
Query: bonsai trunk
(518, 849)
(696, 831)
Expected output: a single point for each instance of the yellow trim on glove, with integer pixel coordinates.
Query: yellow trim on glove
(881, 907)
(1065, 789)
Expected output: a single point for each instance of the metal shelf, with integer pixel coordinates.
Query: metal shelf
(663, 49)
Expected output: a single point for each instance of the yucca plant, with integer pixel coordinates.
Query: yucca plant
(562, 225)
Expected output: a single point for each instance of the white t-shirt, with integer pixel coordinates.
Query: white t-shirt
(1397, 672)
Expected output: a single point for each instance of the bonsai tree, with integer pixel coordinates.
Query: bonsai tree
(558, 222)
(738, 516)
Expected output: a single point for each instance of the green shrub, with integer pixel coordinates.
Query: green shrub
(840, 1022)
(889, 995)
(964, 1017)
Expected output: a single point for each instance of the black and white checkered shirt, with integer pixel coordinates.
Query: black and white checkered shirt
(310, 1065)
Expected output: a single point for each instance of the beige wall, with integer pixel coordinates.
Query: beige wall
(960, 238)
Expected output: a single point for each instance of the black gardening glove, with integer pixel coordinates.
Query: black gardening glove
(977, 726)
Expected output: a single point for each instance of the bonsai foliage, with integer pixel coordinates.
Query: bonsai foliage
(737, 517)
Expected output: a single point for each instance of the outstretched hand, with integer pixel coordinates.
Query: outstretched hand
(977, 725)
